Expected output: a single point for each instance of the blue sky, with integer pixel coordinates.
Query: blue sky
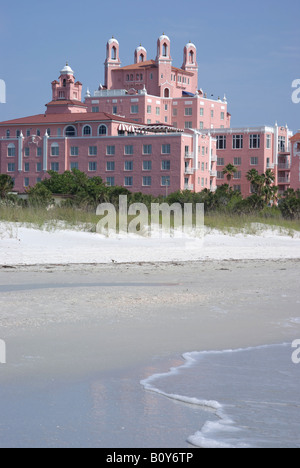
(248, 50)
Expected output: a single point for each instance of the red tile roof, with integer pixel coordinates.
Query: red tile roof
(67, 118)
(295, 137)
(63, 102)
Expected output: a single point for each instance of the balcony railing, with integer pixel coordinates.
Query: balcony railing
(213, 173)
(188, 187)
(214, 158)
(188, 155)
(284, 166)
(189, 170)
(283, 180)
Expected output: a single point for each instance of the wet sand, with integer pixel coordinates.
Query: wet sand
(68, 325)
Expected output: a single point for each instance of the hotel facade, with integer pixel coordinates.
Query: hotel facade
(148, 128)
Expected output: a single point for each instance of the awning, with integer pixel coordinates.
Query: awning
(122, 128)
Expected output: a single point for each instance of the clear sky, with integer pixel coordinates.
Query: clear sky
(248, 50)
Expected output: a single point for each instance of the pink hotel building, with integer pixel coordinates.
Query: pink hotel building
(149, 128)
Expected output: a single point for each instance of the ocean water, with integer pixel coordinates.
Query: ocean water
(251, 396)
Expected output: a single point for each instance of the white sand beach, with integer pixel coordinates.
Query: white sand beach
(88, 318)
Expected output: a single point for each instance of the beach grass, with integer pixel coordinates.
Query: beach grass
(59, 217)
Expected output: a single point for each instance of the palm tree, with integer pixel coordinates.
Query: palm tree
(229, 171)
(257, 181)
(6, 185)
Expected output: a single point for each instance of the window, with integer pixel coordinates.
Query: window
(268, 141)
(26, 182)
(203, 150)
(128, 150)
(188, 124)
(128, 166)
(149, 109)
(39, 167)
(221, 142)
(237, 175)
(27, 133)
(74, 151)
(147, 181)
(54, 149)
(48, 132)
(38, 179)
(166, 149)
(166, 107)
(147, 165)
(110, 181)
(220, 162)
(55, 167)
(110, 165)
(128, 181)
(166, 165)
(254, 141)
(18, 133)
(102, 130)
(220, 175)
(11, 167)
(237, 141)
(59, 132)
(115, 109)
(27, 152)
(113, 53)
(38, 132)
(254, 161)
(147, 149)
(7, 133)
(175, 112)
(92, 150)
(92, 166)
(212, 113)
(39, 152)
(165, 181)
(202, 167)
(201, 125)
(110, 150)
(201, 111)
(237, 188)
(237, 161)
(134, 109)
(281, 144)
(74, 165)
(87, 131)
(188, 111)
(11, 150)
(70, 131)
(157, 110)
(26, 167)
(127, 77)
(95, 109)
(61, 95)
(165, 50)
(222, 115)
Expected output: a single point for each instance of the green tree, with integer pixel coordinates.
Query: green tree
(229, 171)
(6, 185)
(39, 195)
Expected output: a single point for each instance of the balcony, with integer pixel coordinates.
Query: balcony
(189, 155)
(270, 166)
(284, 166)
(189, 171)
(283, 180)
(214, 158)
(188, 187)
(213, 173)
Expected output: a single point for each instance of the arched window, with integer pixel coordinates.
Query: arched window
(191, 56)
(113, 53)
(61, 95)
(102, 130)
(142, 58)
(131, 77)
(165, 50)
(18, 133)
(11, 150)
(167, 93)
(87, 131)
(64, 83)
(137, 77)
(70, 131)
(7, 133)
(48, 131)
(127, 77)
(38, 132)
